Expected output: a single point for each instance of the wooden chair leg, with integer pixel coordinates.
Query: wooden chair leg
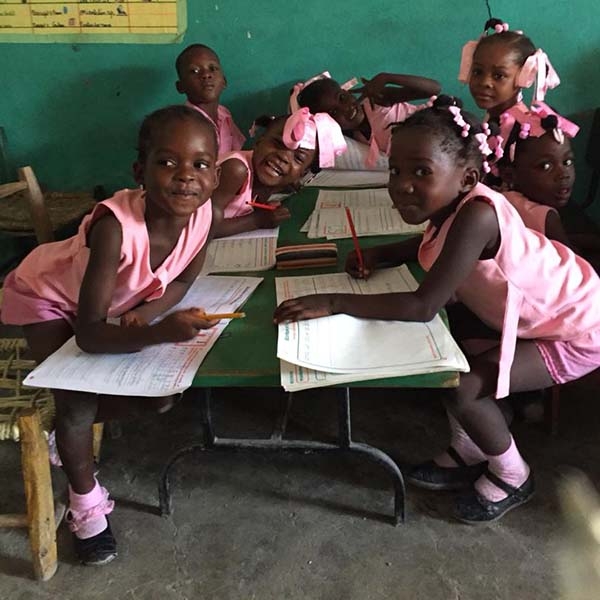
(98, 432)
(38, 493)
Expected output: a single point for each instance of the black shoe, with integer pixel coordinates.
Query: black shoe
(97, 550)
(474, 509)
(432, 476)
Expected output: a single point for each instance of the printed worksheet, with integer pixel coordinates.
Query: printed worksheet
(348, 179)
(158, 370)
(332, 223)
(341, 348)
(236, 254)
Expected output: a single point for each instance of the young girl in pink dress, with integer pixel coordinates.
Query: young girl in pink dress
(282, 156)
(382, 100)
(134, 257)
(537, 294)
(202, 80)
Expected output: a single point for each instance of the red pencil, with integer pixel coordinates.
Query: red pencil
(361, 264)
(273, 206)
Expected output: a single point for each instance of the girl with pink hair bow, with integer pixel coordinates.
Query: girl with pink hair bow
(382, 101)
(282, 156)
(499, 64)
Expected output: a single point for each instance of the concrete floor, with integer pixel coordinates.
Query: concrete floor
(289, 526)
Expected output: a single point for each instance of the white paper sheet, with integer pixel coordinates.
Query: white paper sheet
(332, 223)
(158, 370)
(355, 157)
(353, 198)
(348, 179)
(342, 348)
(235, 254)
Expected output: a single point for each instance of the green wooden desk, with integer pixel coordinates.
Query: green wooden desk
(245, 356)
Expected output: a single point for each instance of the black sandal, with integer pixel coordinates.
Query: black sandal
(475, 509)
(431, 476)
(98, 550)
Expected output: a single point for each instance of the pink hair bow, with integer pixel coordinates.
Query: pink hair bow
(304, 130)
(538, 68)
(293, 105)
(466, 61)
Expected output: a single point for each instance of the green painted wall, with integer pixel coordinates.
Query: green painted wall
(72, 111)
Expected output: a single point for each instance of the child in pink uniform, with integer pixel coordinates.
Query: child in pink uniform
(383, 100)
(499, 65)
(282, 156)
(202, 80)
(536, 294)
(134, 257)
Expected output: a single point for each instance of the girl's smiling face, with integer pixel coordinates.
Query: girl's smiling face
(180, 170)
(493, 79)
(276, 165)
(426, 182)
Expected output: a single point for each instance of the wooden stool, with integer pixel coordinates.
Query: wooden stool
(24, 415)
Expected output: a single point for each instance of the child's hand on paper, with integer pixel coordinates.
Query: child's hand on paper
(369, 263)
(305, 307)
(184, 325)
(269, 219)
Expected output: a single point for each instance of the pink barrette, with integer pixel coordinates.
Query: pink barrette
(304, 130)
(293, 102)
(500, 27)
(460, 120)
(430, 102)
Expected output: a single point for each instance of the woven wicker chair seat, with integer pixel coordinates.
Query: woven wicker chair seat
(15, 396)
(63, 208)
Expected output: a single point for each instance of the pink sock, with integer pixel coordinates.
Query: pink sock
(508, 466)
(86, 514)
(467, 449)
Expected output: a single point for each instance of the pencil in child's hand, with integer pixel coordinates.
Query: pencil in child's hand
(213, 316)
(361, 264)
(273, 206)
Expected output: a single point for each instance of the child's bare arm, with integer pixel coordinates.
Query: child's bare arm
(233, 175)
(555, 229)
(92, 331)
(386, 89)
(474, 232)
(258, 219)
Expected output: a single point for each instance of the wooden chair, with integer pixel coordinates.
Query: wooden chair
(24, 209)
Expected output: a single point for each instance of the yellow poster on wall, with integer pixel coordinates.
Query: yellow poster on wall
(113, 21)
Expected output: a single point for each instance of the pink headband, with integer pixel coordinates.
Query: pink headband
(304, 130)
(531, 124)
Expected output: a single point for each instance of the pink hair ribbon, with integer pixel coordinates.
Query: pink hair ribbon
(304, 130)
(293, 104)
(538, 68)
(466, 61)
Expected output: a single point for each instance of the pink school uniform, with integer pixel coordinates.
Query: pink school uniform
(229, 136)
(45, 286)
(533, 288)
(533, 214)
(239, 205)
(380, 118)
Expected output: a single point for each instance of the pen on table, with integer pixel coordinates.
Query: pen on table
(213, 316)
(361, 264)
(273, 206)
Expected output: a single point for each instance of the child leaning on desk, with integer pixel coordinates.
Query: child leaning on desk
(282, 156)
(477, 249)
(135, 256)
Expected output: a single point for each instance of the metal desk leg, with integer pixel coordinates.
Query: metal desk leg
(277, 443)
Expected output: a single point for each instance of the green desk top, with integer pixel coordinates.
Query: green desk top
(246, 353)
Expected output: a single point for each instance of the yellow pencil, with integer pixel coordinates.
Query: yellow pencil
(212, 317)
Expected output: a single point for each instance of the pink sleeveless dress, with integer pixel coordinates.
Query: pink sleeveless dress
(380, 118)
(533, 214)
(534, 288)
(45, 286)
(229, 136)
(238, 206)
